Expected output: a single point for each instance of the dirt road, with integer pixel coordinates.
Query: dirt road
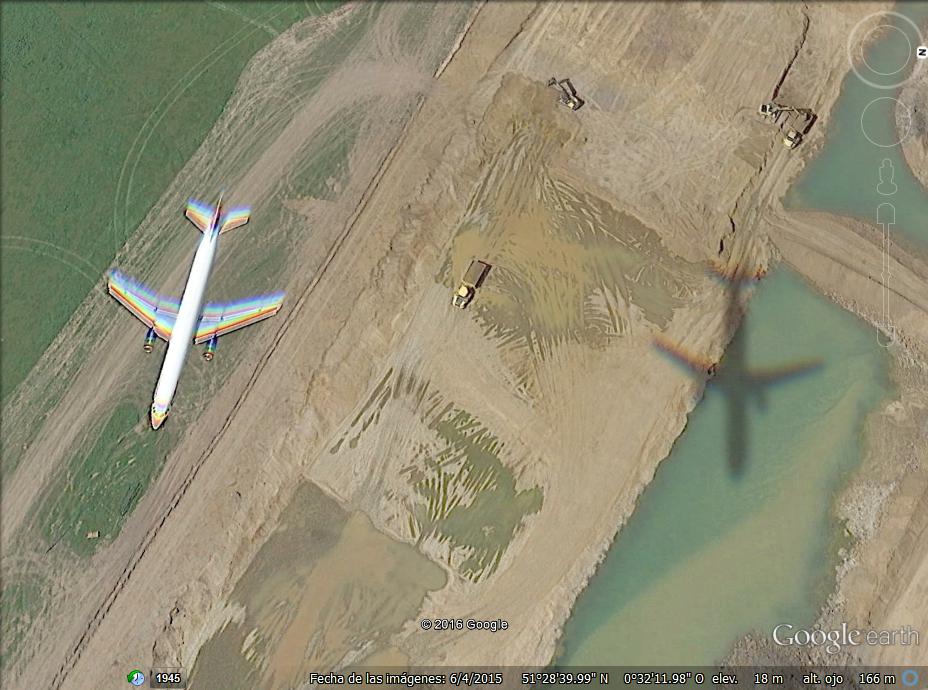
(385, 82)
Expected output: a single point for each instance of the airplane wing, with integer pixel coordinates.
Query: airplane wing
(784, 373)
(219, 319)
(689, 363)
(155, 311)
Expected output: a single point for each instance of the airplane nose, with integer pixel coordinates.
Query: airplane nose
(157, 419)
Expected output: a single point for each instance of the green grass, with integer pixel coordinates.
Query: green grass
(102, 104)
(330, 159)
(72, 200)
(21, 603)
(471, 500)
(102, 485)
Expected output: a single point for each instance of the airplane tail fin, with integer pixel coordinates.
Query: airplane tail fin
(234, 218)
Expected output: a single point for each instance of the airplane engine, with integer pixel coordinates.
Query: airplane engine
(149, 340)
(210, 351)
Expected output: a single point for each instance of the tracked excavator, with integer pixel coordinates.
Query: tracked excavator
(796, 125)
(568, 94)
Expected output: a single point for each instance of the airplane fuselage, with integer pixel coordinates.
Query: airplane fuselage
(188, 315)
(190, 320)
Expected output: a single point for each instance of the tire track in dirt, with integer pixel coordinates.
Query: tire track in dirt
(291, 317)
(96, 320)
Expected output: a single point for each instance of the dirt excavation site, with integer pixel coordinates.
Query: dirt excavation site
(374, 456)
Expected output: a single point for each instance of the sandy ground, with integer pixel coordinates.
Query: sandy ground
(912, 118)
(599, 225)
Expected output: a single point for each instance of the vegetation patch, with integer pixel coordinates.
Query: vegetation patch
(21, 601)
(101, 486)
(470, 500)
(96, 129)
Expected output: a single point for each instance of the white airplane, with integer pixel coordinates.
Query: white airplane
(190, 321)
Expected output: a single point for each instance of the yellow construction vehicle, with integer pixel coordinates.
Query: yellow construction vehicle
(795, 122)
(475, 274)
(768, 108)
(568, 96)
(792, 139)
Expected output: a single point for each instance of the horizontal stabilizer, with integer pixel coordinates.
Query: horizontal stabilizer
(219, 319)
(235, 218)
(200, 214)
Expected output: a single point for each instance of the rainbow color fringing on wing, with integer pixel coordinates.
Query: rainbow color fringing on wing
(234, 218)
(219, 319)
(147, 305)
(188, 320)
(200, 214)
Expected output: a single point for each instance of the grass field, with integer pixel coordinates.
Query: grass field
(102, 104)
(102, 484)
(22, 602)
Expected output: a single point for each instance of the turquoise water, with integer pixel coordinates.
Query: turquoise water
(844, 176)
(710, 555)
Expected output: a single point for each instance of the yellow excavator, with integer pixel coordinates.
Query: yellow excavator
(803, 118)
(568, 96)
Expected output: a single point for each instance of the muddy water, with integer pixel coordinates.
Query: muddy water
(862, 165)
(709, 555)
(326, 583)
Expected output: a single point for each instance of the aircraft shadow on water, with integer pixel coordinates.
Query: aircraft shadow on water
(739, 384)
